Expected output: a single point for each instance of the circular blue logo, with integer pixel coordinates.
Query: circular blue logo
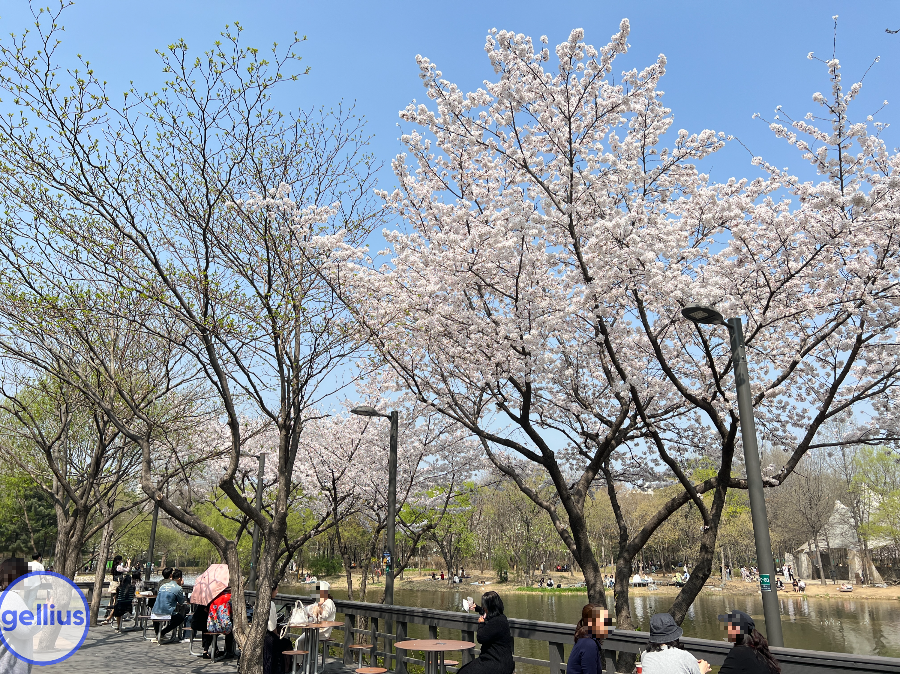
(44, 618)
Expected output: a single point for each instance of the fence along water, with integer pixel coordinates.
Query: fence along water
(556, 636)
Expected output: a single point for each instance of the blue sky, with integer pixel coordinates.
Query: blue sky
(726, 60)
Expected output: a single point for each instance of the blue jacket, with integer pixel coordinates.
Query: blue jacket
(168, 597)
(586, 657)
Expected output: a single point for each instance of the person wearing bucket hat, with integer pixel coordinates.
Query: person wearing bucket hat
(664, 652)
(750, 653)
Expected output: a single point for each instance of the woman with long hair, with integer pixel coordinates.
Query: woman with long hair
(665, 654)
(587, 655)
(750, 653)
(494, 637)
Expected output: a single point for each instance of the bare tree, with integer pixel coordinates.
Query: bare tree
(147, 196)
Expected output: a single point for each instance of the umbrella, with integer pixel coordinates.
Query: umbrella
(210, 584)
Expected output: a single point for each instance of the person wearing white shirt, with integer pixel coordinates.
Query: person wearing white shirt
(19, 644)
(274, 645)
(36, 563)
(32, 585)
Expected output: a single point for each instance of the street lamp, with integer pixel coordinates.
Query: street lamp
(152, 541)
(254, 555)
(394, 416)
(703, 315)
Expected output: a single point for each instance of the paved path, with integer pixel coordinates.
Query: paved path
(105, 650)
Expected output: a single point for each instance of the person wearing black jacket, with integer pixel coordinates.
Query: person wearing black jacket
(494, 637)
(750, 653)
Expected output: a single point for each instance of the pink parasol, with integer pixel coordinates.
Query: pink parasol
(210, 584)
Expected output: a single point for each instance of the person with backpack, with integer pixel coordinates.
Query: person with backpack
(220, 622)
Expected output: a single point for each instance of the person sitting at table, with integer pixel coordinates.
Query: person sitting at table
(324, 609)
(592, 629)
(219, 621)
(169, 600)
(494, 637)
(274, 645)
(664, 653)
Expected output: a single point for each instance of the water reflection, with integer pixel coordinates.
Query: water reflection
(862, 626)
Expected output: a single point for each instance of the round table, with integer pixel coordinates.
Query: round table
(434, 650)
(311, 630)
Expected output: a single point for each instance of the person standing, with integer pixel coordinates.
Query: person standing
(664, 653)
(124, 602)
(587, 654)
(32, 585)
(495, 639)
(117, 573)
(750, 653)
(21, 644)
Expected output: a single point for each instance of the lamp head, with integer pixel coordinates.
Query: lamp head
(698, 313)
(366, 411)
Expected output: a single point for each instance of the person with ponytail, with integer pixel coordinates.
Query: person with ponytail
(587, 654)
(750, 653)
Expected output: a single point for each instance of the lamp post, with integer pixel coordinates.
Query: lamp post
(152, 542)
(254, 555)
(703, 315)
(394, 416)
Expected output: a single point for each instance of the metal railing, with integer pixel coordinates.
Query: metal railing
(389, 624)
(559, 635)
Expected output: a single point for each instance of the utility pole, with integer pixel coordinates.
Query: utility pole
(392, 509)
(152, 541)
(254, 555)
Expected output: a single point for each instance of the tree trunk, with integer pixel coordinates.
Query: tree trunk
(68, 546)
(830, 555)
(100, 573)
(819, 559)
(722, 551)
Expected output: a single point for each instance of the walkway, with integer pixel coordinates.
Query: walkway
(105, 650)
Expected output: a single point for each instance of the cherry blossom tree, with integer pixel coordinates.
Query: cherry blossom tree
(348, 457)
(553, 241)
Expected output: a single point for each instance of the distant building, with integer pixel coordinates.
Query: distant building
(847, 555)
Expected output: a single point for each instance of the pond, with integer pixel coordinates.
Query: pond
(865, 626)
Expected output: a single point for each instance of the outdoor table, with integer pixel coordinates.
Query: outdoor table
(434, 650)
(311, 630)
(140, 601)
